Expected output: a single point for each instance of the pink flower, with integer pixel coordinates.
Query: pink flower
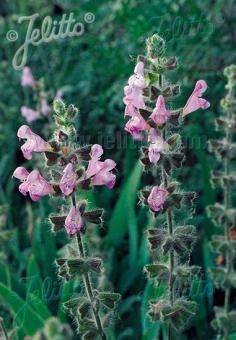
(34, 143)
(73, 222)
(130, 110)
(157, 198)
(157, 145)
(98, 171)
(21, 173)
(45, 108)
(160, 114)
(195, 101)
(29, 114)
(104, 176)
(27, 78)
(32, 183)
(135, 126)
(133, 91)
(95, 165)
(68, 180)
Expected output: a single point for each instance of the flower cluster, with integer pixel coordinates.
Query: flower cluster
(222, 213)
(145, 120)
(147, 101)
(40, 96)
(70, 170)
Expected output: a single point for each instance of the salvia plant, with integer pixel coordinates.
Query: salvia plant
(69, 170)
(149, 102)
(222, 213)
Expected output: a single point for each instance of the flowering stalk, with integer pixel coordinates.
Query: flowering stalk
(72, 169)
(148, 99)
(223, 215)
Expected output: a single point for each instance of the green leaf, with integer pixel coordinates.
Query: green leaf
(119, 221)
(26, 317)
(66, 292)
(157, 270)
(34, 280)
(180, 313)
(150, 330)
(109, 299)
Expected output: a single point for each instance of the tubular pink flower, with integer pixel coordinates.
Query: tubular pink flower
(157, 145)
(104, 175)
(68, 180)
(130, 110)
(157, 198)
(98, 171)
(34, 143)
(29, 114)
(21, 173)
(95, 165)
(160, 114)
(195, 101)
(45, 108)
(135, 126)
(32, 183)
(27, 78)
(133, 91)
(73, 222)
(139, 68)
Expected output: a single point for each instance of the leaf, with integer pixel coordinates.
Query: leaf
(109, 299)
(157, 270)
(26, 317)
(150, 330)
(65, 294)
(118, 225)
(34, 281)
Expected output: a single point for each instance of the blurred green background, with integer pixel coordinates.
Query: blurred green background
(92, 70)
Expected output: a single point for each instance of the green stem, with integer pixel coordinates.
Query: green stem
(169, 220)
(88, 284)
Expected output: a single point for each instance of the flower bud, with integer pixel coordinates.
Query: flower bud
(84, 152)
(59, 107)
(72, 111)
(62, 161)
(82, 206)
(73, 159)
(62, 136)
(175, 90)
(171, 63)
(155, 46)
(230, 73)
(51, 157)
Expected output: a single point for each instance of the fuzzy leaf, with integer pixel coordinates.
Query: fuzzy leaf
(157, 270)
(108, 299)
(224, 321)
(94, 216)
(156, 237)
(180, 314)
(58, 222)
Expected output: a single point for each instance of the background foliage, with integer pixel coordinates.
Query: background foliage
(92, 70)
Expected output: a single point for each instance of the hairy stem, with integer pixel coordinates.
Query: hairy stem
(169, 220)
(227, 195)
(88, 284)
